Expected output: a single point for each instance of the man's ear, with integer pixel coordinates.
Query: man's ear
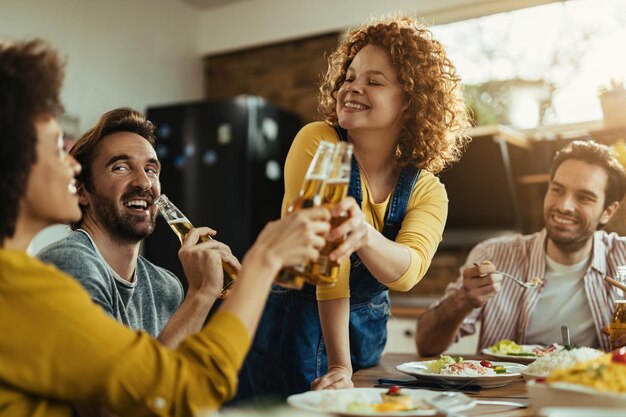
(609, 212)
(83, 197)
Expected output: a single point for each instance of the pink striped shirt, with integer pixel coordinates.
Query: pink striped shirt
(505, 315)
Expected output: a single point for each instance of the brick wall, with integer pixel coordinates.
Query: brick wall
(287, 74)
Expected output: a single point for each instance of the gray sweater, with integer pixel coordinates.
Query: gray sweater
(145, 304)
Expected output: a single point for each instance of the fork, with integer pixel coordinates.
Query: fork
(515, 279)
(446, 402)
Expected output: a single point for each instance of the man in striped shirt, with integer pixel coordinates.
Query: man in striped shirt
(571, 256)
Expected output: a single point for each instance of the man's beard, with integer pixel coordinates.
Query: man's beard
(121, 225)
(569, 244)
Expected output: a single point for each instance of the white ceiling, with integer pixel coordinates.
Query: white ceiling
(206, 4)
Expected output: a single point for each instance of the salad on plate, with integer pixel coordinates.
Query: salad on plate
(452, 371)
(524, 353)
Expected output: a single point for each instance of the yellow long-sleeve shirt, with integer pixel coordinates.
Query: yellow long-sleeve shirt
(58, 348)
(422, 226)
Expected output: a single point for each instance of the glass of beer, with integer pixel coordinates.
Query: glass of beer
(311, 195)
(324, 271)
(617, 327)
(181, 226)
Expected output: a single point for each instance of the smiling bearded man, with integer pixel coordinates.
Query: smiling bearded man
(571, 256)
(117, 188)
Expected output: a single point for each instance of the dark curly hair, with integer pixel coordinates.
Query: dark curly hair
(31, 75)
(123, 119)
(433, 131)
(600, 155)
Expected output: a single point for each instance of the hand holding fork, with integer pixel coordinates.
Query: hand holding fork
(533, 283)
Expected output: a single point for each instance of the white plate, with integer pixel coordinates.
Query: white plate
(522, 359)
(420, 371)
(336, 401)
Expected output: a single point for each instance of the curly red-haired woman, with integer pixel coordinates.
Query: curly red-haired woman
(392, 92)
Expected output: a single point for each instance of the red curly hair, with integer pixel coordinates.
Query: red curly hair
(433, 132)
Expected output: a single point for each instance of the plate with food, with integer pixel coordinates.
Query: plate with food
(370, 401)
(597, 382)
(507, 349)
(560, 359)
(458, 372)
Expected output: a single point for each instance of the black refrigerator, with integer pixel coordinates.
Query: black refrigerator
(222, 165)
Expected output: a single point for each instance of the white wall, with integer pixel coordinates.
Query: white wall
(120, 52)
(250, 23)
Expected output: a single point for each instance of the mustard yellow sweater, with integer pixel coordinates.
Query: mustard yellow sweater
(422, 226)
(58, 348)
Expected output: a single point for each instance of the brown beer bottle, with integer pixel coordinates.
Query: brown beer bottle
(181, 226)
(324, 271)
(311, 195)
(617, 327)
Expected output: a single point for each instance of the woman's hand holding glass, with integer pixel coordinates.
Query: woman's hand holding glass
(355, 230)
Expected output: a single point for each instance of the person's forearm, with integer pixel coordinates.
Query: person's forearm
(437, 327)
(187, 320)
(249, 294)
(389, 267)
(334, 319)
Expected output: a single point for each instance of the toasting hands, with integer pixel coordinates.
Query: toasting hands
(295, 238)
(355, 229)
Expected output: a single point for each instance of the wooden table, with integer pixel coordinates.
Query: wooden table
(516, 391)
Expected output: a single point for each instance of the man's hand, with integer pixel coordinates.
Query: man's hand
(293, 239)
(337, 377)
(202, 262)
(480, 283)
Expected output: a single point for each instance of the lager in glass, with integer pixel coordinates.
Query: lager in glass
(181, 226)
(324, 271)
(311, 195)
(617, 327)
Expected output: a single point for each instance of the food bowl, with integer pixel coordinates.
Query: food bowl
(560, 394)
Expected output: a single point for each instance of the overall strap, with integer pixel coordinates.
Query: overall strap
(396, 209)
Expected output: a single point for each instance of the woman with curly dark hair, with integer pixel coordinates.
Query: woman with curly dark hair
(57, 347)
(390, 91)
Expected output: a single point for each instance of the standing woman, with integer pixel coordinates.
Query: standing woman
(391, 91)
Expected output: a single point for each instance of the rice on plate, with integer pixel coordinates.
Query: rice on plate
(560, 359)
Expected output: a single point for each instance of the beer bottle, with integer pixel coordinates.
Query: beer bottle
(181, 226)
(311, 195)
(324, 271)
(617, 327)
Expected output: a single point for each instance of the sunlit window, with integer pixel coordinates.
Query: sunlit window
(542, 65)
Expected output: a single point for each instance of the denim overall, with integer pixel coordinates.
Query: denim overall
(288, 351)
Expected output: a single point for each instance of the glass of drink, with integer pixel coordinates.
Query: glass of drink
(324, 271)
(181, 226)
(617, 328)
(311, 195)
